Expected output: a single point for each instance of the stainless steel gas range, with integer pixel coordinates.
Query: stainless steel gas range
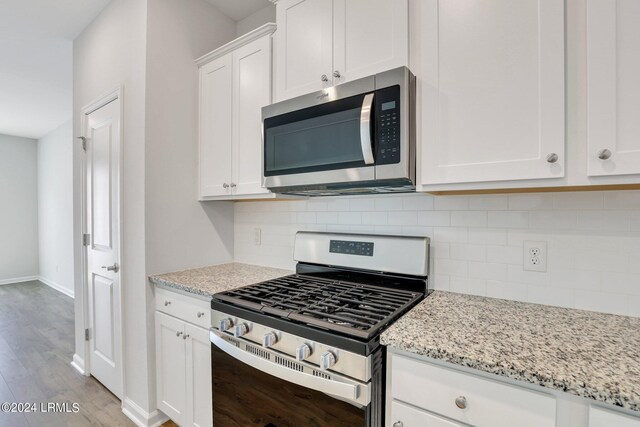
(304, 350)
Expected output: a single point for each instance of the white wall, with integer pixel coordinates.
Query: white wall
(180, 231)
(255, 20)
(110, 52)
(593, 241)
(55, 208)
(18, 209)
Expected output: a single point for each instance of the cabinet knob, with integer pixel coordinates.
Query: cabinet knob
(604, 154)
(337, 74)
(200, 314)
(166, 303)
(324, 78)
(185, 336)
(178, 333)
(398, 424)
(225, 185)
(233, 185)
(461, 402)
(552, 158)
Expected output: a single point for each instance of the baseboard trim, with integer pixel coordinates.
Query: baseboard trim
(57, 287)
(18, 280)
(141, 417)
(78, 364)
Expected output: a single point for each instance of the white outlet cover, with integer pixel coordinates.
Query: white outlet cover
(535, 256)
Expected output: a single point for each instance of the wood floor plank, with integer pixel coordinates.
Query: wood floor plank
(36, 347)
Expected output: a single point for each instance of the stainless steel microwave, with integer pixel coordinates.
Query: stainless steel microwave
(354, 138)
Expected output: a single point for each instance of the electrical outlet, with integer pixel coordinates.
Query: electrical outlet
(535, 255)
(257, 236)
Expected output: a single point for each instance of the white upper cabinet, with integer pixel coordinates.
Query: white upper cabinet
(320, 43)
(235, 83)
(491, 90)
(613, 87)
(215, 127)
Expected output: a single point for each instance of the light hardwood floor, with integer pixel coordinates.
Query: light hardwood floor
(36, 347)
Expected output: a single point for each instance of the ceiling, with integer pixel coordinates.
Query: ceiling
(239, 9)
(36, 67)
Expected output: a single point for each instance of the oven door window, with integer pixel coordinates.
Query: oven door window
(319, 138)
(244, 396)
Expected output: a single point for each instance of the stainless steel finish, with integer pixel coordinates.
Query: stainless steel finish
(391, 254)
(324, 78)
(84, 142)
(178, 333)
(365, 129)
(225, 185)
(604, 154)
(200, 314)
(552, 158)
(350, 364)
(115, 267)
(268, 340)
(461, 402)
(285, 367)
(327, 360)
(398, 424)
(225, 324)
(240, 330)
(337, 74)
(400, 177)
(302, 352)
(86, 239)
(167, 302)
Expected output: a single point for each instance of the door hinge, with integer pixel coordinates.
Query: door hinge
(86, 239)
(86, 334)
(84, 142)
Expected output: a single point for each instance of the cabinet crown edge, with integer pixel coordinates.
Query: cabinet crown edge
(268, 28)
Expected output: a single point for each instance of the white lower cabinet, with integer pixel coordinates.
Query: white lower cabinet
(408, 416)
(183, 370)
(599, 417)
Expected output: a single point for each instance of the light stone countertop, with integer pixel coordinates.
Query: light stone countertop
(207, 281)
(589, 354)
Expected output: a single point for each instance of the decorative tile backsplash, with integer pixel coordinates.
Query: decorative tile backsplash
(593, 240)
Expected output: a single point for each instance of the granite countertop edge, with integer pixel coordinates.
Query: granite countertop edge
(159, 281)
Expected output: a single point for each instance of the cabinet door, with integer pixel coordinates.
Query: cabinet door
(613, 87)
(199, 381)
(215, 127)
(170, 367)
(370, 36)
(602, 418)
(251, 91)
(491, 78)
(408, 416)
(304, 46)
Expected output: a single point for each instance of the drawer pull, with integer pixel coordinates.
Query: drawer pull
(461, 402)
(200, 314)
(398, 424)
(167, 302)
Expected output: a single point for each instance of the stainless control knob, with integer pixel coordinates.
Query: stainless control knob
(225, 325)
(240, 330)
(327, 360)
(302, 352)
(337, 74)
(398, 424)
(552, 158)
(604, 154)
(269, 340)
(324, 78)
(461, 402)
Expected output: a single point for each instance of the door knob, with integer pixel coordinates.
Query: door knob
(604, 154)
(115, 267)
(324, 78)
(552, 158)
(337, 74)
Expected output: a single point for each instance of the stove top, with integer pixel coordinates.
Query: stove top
(354, 309)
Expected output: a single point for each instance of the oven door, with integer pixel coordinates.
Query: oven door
(253, 389)
(329, 143)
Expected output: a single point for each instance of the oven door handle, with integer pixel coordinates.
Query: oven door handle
(365, 129)
(354, 393)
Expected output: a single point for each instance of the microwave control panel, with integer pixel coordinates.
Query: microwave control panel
(388, 123)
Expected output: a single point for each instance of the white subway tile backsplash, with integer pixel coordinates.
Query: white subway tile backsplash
(593, 240)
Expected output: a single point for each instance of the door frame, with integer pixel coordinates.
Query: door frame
(115, 94)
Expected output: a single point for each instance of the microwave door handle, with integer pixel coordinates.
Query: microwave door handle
(365, 129)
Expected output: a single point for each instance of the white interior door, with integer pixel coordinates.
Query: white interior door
(102, 133)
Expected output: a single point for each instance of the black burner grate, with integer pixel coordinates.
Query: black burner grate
(350, 308)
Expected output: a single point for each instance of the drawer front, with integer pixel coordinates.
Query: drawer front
(485, 402)
(599, 417)
(189, 309)
(407, 416)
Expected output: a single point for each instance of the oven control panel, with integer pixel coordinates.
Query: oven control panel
(388, 123)
(349, 247)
